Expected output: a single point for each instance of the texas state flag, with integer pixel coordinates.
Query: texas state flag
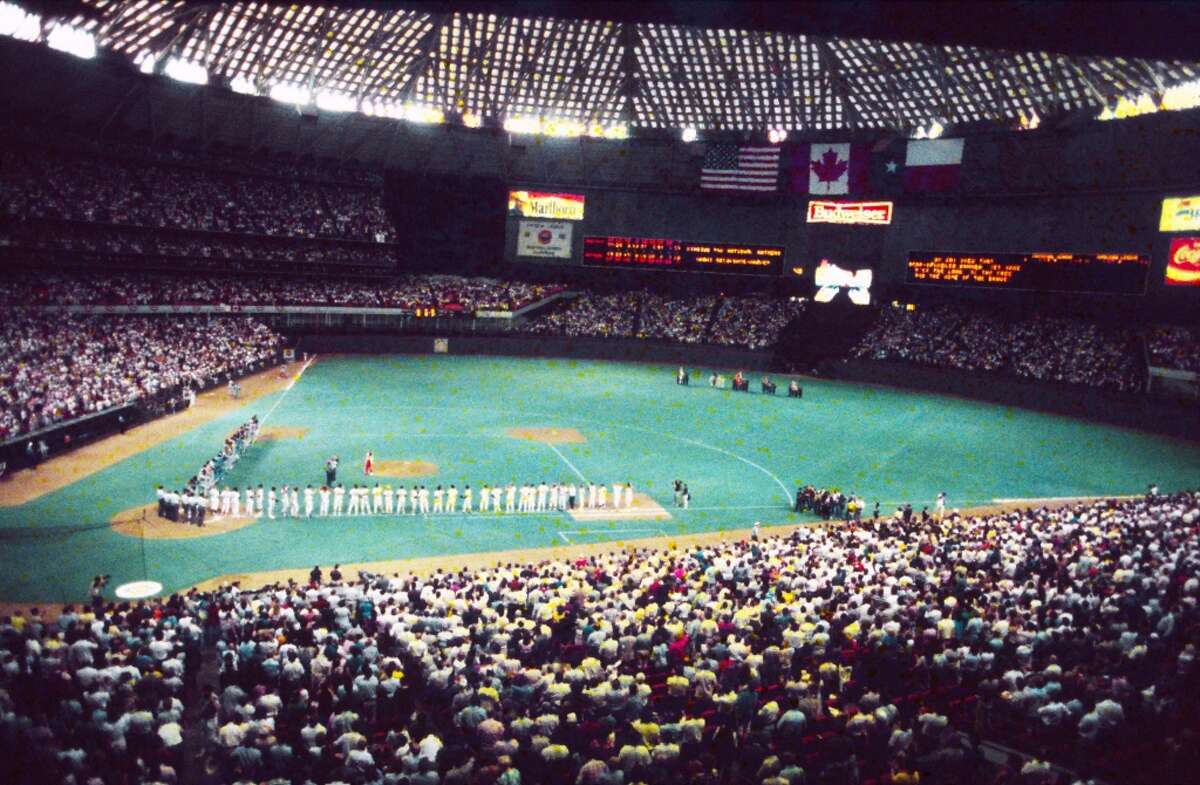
(830, 169)
(932, 164)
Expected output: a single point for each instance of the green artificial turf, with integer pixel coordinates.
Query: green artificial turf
(742, 456)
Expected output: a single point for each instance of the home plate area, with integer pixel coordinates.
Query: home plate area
(643, 508)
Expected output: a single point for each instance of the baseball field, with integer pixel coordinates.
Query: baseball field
(472, 420)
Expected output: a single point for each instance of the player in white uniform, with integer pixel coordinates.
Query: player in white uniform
(496, 491)
(214, 500)
(602, 496)
(510, 496)
(485, 498)
(388, 507)
(377, 500)
(401, 498)
(628, 495)
(295, 501)
(451, 499)
(424, 496)
(353, 501)
(308, 501)
(616, 497)
(339, 498)
(324, 495)
(467, 507)
(249, 502)
(258, 501)
(592, 495)
(940, 506)
(439, 496)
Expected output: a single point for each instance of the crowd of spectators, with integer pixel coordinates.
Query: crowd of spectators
(102, 248)
(450, 292)
(1046, 348)
(1174, 347)
(54, 367)
(97, 694)
(754, 323)
(41, 183)
(880, 651)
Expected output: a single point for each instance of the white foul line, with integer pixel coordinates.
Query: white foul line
(578, 473)
(286, 390)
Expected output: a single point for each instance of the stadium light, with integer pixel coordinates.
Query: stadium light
(72, 40)
(332, 101)
(415, 113)
(146, 61)
(776, 136)
(243, 84)
(688, 134)
(183, 71)
(935, 130)
(472, 120)
(286, 93)
(16, 22)
(619, 131)
(520, 125)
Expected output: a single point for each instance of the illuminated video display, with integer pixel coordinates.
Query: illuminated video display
(1102, 273)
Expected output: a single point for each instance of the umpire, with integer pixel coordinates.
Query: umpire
(331, 467)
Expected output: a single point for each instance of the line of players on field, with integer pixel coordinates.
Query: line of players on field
(419, 500)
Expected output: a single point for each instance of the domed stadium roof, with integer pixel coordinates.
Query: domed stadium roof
(481, 67)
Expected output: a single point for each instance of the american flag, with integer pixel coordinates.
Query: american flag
(729, 167)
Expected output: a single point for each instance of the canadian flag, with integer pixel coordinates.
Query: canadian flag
(830, 169)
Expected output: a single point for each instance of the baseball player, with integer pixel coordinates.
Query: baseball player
(214, 500)
(401, 497)
(510, 497)
(628, 494)
(616, 495)
(271, 501)
(258, 501)
(309, 500)
(485, 498)
(414, 497)
(572, 496)
(602, 496)
(339, 497)
(451, 499)
(438, 499)
(235, 503)
(467, 499)
(377, 499)
(324, 494)
(552, 496)
(496, 491)
(352, 507)
(424, 496)
(295, 511)
(387, 500)
(940, 506)
(249, 502)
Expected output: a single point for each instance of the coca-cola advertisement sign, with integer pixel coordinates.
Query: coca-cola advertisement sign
(1183, 262)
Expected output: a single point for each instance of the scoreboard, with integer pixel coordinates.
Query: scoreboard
(1101, 273)
(649, 253)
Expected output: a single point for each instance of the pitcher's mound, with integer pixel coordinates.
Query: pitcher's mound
(144, 522)
(547, 435)
(644, 508)
(405, 468)
(277, 433)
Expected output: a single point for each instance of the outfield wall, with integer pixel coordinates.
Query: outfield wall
(1169, 418)
(697, 357)
(1129, 410)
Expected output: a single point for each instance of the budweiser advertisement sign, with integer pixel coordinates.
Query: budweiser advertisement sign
(1183, 263)
(1180, 214)
(871, 213)
(541, 204)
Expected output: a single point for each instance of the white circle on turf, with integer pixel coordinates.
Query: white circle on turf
(138, 590)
